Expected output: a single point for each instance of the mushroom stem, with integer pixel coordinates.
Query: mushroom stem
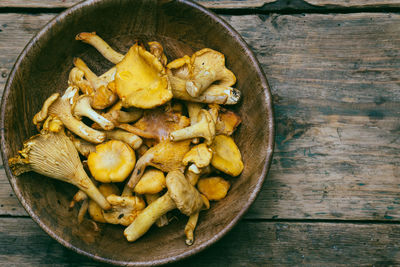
(63, 110)
(163, 220)
(148, 217)
(78, 197)
(101, 46)
(138, 172)
(83, 210)
(180, 194)
(84, 148)
(224, 95)
(82, 107)
(204, 128)
(54, 155)
(189, 228)
(131, 139)
(85, 184)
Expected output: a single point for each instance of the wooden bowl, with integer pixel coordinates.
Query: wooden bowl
(42, 69)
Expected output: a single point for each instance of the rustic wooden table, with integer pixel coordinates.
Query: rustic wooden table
(332, 196)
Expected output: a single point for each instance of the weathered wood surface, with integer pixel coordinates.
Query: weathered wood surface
(261, 5)
(265, 243)
(336, 86)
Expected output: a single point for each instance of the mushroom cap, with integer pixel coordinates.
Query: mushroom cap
(187, 199)
(180, 67)
(44, 112)
(95, 211)
(141, 80)
(152, 182)
(112, 162)
(214, 188)
(205, 127)
(200, 155)
(207, 67)
(158, 124)
(227, 122)
(226, 157)
(124, 209)
(158, 51)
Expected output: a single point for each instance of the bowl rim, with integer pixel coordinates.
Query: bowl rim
(257, 188)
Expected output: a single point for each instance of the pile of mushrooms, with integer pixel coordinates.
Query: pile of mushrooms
(155, 137)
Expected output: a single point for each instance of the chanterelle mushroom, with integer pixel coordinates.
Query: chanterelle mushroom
(94, 40)
(214, 188)
(226, 157)
(181, 194)
(208, 66)
(95, 211)
(141, 80)
(124, 209)
(200, 155)
(82, 107)
(157, 124)
(113, 161)
(131, 139)
(76, 78)
(61, 107)
(104, 94)
(204, 128)
(54, 155)
(152, 182)
(178, 74)
(166, 156)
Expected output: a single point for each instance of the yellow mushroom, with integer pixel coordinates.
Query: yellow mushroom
(207, 66)
(78, 197)
(152, 182)
(226, 157)
(54, 155)
(104, 94)
(179, 74)
(200, 155)
(214, 188)
(112, 162)
(192, 222)
(157, 124)
(181, 194)
(61, 107)
(205, 127)
(124, 209)
(131, 139)
(163, 219)
(82, 107)
(193, 176)
(94, 40)
(95, 211)
(158, 51)
(76, 78)
(141, 80)
(165, 156)
(84, 148)
(53, 124)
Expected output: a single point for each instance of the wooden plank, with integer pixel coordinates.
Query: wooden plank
(336, 89)
(69, 3)
(335, 80)
(249, 243)
(264, 5)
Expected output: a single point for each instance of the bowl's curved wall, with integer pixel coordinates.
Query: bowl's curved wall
(182, 27)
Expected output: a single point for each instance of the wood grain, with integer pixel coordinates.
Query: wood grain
(44, 67)
(262, 5)
(336, 86)
(265, 243)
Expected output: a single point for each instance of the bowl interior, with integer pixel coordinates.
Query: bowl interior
(42, 69)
